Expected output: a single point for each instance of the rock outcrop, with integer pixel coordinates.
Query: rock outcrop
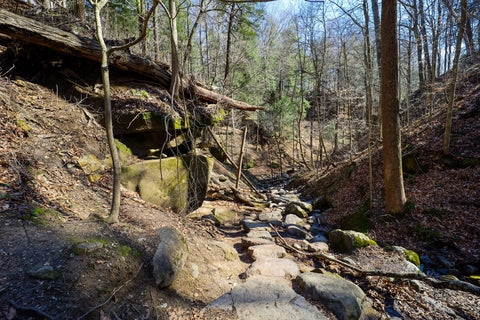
(179, 183)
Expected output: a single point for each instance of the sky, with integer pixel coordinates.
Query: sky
(282, 5)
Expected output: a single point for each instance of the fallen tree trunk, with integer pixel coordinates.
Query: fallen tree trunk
(32, 31)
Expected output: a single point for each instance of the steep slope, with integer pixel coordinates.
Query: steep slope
(443, 192)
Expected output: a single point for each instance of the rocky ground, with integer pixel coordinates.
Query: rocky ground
(59, 260)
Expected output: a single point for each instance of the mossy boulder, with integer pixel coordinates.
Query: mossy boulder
(176, 182)
(410, 255)
(358, 221)
(348, 240)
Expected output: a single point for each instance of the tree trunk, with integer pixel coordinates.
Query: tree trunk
(117, 169)
(451, 97)
(368, 96)
(376, 23)
(468, 35)
(79, 9)
(156, 35)
(423, 31)
(418, 39)
(175, 82)
(141, 20)
(229, 42)
(392, 152)
(188, 50)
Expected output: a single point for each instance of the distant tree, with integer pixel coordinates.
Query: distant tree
(392, 153)
(451, 97)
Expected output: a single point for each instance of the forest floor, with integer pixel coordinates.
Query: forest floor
(48, 207)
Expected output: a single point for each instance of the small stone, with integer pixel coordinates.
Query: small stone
(298, 231)
(230, 253)
(444, 262)
(44, 273)
(268, 216)
(248, 242)
(250, 225)
(260, 234)
(86, 247)
(292, 219)
(223, 214)
(317, 246)
(296, 209)
(319, 238)
(426, 260)
(266, 251)
(273, 267)
(469, 269)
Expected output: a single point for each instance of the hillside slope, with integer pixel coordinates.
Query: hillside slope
(444, 192)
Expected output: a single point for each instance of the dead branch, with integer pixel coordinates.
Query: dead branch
(111, 296)
(36, 311)
(31, 31)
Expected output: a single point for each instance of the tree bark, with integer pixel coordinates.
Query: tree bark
(175, 78)
(451, 97)
(31, 31)
(79, 9)
(392, 152)
(376, 23)
(229, 42)
(117, 168)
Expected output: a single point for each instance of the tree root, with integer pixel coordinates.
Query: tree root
(436, 282)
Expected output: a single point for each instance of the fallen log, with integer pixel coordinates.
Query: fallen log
(32, 31)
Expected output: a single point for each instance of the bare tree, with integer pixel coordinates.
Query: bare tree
(106, 52)
(451, 97)
(392, 153)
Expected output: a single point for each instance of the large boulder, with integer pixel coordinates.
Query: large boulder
(170, 256)
(348, 240)
(266, 298)
(344, 298)
(179, 183)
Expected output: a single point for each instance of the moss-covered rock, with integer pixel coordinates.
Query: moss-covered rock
(358, 221)
(179, 183)
(348, 240)
(410, 255)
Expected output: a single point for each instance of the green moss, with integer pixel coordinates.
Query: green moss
(249, 163)
(126, 251)
(40, 216)
(122, 147)
(413, 257)
(23, 124)
(360, 242)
